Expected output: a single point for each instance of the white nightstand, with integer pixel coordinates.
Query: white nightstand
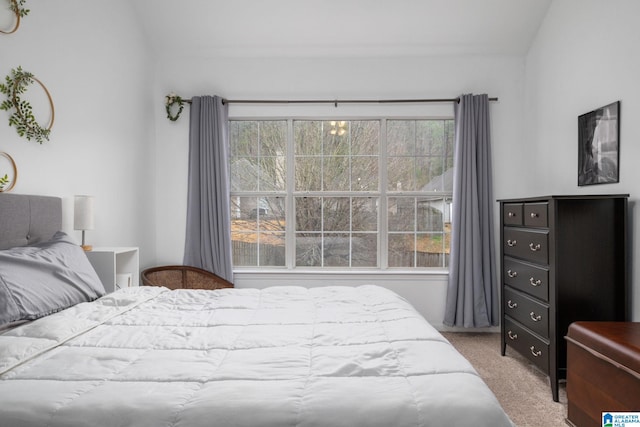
(117, 267)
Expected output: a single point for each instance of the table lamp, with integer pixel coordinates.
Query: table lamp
(83, 217)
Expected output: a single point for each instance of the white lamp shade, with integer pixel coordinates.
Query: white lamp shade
(83, 213)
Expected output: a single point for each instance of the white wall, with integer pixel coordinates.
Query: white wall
(585, 56)
(331, 78)
(92, 58)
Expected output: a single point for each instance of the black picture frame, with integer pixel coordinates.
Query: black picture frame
(599, 146)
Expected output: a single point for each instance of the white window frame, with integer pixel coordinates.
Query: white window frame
(382, 194)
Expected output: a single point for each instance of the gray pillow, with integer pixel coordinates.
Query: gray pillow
(43, 278)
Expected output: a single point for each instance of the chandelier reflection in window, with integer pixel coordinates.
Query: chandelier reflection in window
(338, 128)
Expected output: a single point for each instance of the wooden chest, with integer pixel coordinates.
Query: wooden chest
(603, 370)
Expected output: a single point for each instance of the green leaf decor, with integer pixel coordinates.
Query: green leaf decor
(22, 116)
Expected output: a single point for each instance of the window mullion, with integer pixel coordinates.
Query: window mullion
(415, 231)
(290, 215)
(383, 212)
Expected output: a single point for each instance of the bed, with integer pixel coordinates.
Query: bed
(281, 356)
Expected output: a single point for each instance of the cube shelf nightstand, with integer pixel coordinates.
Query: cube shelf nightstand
(116, 266)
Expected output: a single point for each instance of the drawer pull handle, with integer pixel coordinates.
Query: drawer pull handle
(512, 243)
(535, 282)
(534, 215)
(534, 317)
(533, 247)
(512, 273)
(511, 214)
(512, 336)
(534, 352)
(512, 304)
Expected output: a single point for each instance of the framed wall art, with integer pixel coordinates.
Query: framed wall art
(599, 146)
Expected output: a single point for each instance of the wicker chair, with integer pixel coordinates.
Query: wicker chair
(183, 277)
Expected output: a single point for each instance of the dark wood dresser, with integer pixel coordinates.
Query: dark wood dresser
(603, 370)
(563, 260)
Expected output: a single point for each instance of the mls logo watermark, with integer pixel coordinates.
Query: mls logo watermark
(621, 419)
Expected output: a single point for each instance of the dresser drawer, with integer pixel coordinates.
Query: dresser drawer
(531, 245)
(512, 213)
(528, 278)
(527, 311)
(535, 215)
(527, 344)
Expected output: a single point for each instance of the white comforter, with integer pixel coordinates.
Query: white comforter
(283, 356)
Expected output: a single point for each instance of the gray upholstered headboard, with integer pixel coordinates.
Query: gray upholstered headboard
(28, 219)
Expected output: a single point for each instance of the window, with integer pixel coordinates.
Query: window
(341, 194)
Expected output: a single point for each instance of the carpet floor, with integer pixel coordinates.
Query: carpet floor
(522, 389)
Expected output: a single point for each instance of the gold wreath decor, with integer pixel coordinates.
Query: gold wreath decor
(22, 118)
(16, 6)
(4, 180)
(169, 101)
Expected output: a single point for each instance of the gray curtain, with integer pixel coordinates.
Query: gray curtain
(472, 293)
(208, 237)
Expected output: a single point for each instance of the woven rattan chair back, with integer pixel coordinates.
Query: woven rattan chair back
(183, 277)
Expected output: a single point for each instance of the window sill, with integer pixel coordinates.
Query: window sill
(337, 272)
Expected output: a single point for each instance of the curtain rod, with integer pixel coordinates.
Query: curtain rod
(335, 102)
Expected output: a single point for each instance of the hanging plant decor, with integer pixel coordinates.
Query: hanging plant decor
(6, 183)
(171, 100)
(23, 118)
(17, 7)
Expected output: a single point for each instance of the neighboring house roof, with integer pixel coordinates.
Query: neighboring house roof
(443, 183)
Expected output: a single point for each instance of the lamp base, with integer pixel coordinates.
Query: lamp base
(87, 247)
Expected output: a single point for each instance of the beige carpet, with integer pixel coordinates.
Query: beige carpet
(522, 390)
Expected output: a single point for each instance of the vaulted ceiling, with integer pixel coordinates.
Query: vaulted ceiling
(316, 28)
